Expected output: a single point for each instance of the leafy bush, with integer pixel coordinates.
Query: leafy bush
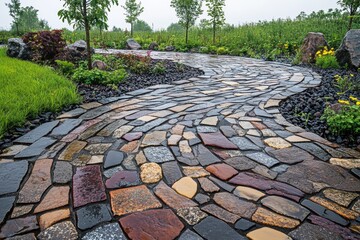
(96, 76)
(66, 68)
(159, 68)
(222, 51)
(347, 120)
(45, 45)
(326, 59)
(343, 83)
(136, 63)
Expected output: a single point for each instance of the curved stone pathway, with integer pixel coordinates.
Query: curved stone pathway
(208, 157)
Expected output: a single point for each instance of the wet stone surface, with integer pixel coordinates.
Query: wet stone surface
(203, 158)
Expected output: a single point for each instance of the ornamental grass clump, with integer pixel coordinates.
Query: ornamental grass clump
(325, 58)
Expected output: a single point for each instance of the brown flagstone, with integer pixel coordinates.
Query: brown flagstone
(340, 197)
(266, 233)
(221, 213)
(195, 172)
(56, 197)
(132, 199)
(186, 186)
(48, 219)
(267, 217)
(222, 171)
(150, 172)
(171, 198)
(71, 150)
(152, 224)
(38, 182)
(344, 212)
(131, 147)
(208, 185)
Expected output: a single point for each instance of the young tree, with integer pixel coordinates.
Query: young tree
(216, 14)
(351, 6)
(142, 26)
(187, 11)
(86, 14)
(29, 19)
(133, 11)
(15, 12)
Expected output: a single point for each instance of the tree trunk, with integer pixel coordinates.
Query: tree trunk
(350, 22)
(132, 29)
(87, 31)
(17, 29)
(187, 34)
(214, 33)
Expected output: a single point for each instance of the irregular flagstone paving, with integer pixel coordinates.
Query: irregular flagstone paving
(209, 157)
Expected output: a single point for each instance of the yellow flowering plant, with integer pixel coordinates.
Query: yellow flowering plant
(325, 58)
(345, 121)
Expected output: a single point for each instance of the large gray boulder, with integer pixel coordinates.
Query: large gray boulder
(312, 43)
(349, 51)
(132, 44)
(18, 49)
(78, 46)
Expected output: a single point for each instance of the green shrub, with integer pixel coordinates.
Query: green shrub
(222, 51)
(159, 68)
(66, 68)
(326, 59)
(347, 121)
(327, 62)
(96, 76)
(343, 83)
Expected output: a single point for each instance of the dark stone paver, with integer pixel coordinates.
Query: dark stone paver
(6, 204)
(11, 175)
(123, 179)
(90, 216)
(113, 158)
(62, 172)
(111, 231)
(18, 226)
(37, 133)
(214, 229)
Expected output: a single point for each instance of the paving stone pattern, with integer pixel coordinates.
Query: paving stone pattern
(205, 158)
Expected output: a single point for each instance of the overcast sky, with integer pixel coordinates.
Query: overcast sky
(159, 14)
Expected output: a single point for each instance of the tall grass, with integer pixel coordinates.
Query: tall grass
(27, 89)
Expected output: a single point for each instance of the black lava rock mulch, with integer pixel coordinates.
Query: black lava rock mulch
(174, 72)
(305, 109)
(91, 93)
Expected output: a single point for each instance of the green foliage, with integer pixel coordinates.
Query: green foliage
(96, 76)
(159, 68)
(187, 11)
(25, 19)
(325, 58)
(174, 27)
(15, 12)
(222, 51)
(136, 64)
(216, 14)
(327, 62)
(28, 89)
(132, 12)
(66, 68)
(141, 26)
(86, 14)
(346, 122)
(351, 6)
(343, 83)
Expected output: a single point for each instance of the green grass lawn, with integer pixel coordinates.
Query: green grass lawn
(27, 89)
